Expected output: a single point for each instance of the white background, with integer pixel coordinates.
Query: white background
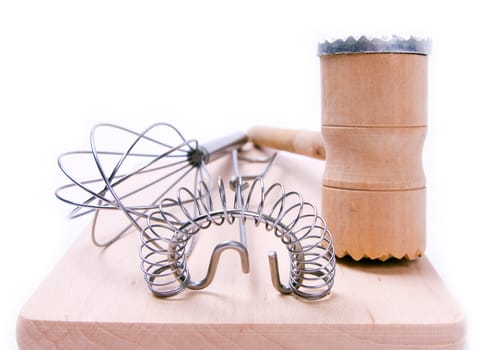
(211, 68)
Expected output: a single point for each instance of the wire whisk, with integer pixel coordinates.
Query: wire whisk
(149, 166)
(295, 222)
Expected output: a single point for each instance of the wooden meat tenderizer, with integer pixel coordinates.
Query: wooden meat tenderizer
(374, 122)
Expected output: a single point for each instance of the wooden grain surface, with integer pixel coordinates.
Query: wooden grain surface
(374, 158)
(97, 298)
(380, 227)
(304, 142)
(374, 90)
(374, 117)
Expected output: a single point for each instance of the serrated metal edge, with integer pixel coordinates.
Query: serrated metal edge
(363, 44)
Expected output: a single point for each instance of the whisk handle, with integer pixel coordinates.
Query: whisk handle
(222, 146)
(308, 143)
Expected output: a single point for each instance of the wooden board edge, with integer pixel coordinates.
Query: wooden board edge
(77, 335)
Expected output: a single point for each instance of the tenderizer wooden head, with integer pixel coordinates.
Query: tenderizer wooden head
(374, 122)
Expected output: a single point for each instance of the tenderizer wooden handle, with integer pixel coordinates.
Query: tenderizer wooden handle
(304, 142)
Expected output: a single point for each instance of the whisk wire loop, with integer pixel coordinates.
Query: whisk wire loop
(295, 222)
(176, 212)
(159, 154)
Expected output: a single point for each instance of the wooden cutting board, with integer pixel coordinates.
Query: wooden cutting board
(97, 298)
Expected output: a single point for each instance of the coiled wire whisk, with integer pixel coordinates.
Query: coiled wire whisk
(295, 222)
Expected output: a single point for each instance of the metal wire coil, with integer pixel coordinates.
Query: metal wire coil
(295, 222)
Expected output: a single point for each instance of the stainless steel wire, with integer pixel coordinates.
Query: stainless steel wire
(160, 181)
(156, 160)
(296, 223)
